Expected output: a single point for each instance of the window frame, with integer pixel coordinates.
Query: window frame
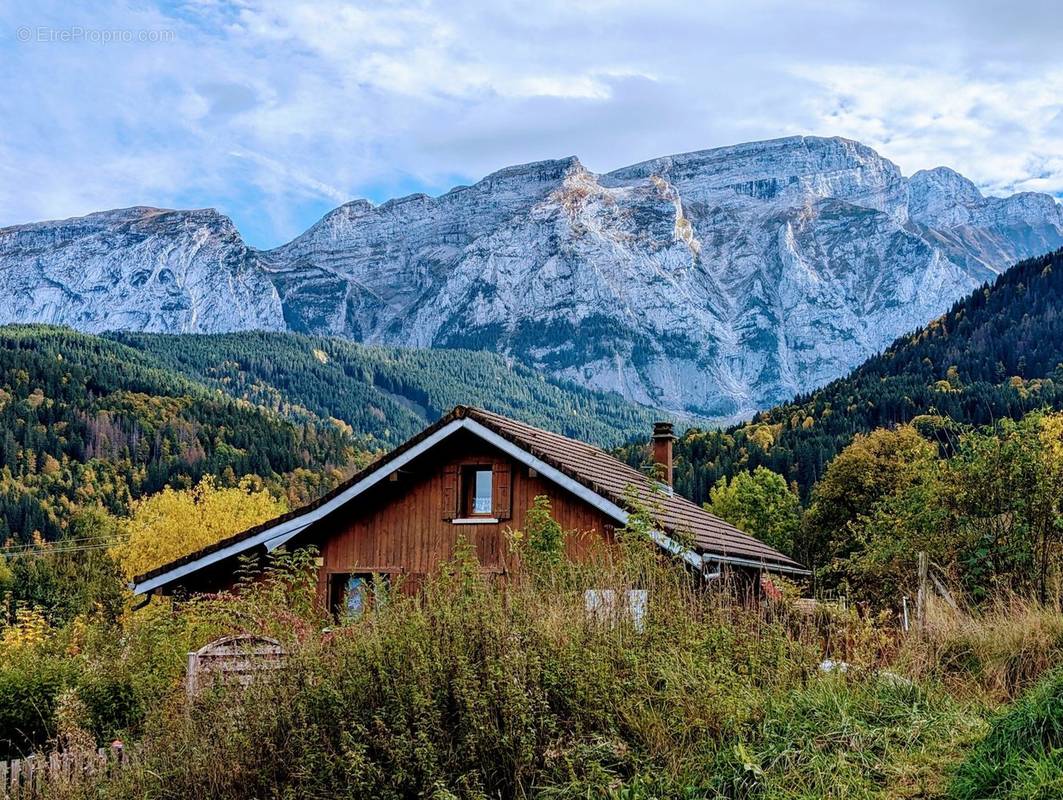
(338, 586)
(468, 486)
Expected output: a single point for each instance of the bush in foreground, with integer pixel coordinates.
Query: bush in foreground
(475, 689)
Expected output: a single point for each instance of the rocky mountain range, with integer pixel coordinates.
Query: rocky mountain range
(143, 269)
(712, 283)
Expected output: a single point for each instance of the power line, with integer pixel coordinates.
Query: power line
(57, 541)
(55, 551)
(68, 546)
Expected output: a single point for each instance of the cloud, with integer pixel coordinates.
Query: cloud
(276, 111)
(1001, 127)
(293, 177)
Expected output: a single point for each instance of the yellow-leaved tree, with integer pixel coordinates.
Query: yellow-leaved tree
(175, 522)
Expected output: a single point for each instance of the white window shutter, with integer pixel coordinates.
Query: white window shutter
(601, 606)
(637, 603)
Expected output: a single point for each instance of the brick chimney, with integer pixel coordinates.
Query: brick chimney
(662, 449)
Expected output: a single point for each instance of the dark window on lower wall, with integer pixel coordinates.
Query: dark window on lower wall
(351, 593)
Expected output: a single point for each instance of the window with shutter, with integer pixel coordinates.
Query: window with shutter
(476, 491)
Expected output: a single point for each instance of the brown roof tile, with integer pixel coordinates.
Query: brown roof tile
(611, 478)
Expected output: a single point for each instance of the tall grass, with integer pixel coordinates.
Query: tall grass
(475, 689)
(997, 651)
(1022, 756)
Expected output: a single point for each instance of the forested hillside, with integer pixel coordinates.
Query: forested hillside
(99, 421)
(385, 392)
(89, 422)
(996, 355)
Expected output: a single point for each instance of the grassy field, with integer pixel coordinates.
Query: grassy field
(472, 690)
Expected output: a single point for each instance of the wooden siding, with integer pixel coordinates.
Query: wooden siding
(405, 526)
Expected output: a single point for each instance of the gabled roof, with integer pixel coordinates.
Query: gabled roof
(611, 478)
(590, 473)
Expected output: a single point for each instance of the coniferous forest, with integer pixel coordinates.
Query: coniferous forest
(387, 393)
(102, 421)
(89, 422)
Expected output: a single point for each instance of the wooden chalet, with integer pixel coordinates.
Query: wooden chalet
(472, 474)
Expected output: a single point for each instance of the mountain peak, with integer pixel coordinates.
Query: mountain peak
(140, 268)
(805, 152)
(139, 216)
(941, 196)
(548, 167)
(713, 282)
(791, 171)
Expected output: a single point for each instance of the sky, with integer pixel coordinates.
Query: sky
(276, 111)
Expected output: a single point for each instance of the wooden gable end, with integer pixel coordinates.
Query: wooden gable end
(411, 526)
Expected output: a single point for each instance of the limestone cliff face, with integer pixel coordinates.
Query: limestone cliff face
(144, 269)
(715, 282)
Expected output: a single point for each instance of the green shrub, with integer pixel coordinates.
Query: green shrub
(473, 689)
(29, 687)
(112, 704)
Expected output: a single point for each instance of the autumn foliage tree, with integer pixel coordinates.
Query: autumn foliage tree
(863, 474)
(759, 503)
(174, 522)
(989, 514)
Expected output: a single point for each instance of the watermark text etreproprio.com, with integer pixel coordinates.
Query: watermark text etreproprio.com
(77, 33)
